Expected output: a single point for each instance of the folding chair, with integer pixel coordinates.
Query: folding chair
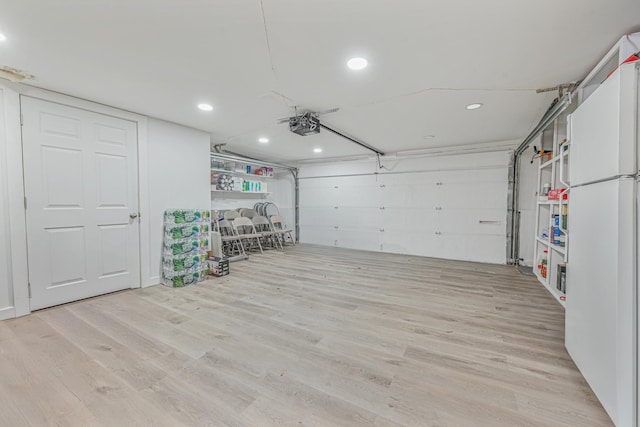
(249, 213)
(246, 231)
(231, 215)
(280, 227)
(231, 242)
(264, 228)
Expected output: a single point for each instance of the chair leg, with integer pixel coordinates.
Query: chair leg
(241, 250)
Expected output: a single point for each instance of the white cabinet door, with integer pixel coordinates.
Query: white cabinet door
(81, 186)
(602, 142)
(600, 292)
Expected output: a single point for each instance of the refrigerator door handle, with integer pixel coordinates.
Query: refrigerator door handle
(564, 151)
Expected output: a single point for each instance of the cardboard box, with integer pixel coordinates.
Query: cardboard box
(218, 267)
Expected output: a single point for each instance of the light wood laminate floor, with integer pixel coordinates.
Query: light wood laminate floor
(310, 336)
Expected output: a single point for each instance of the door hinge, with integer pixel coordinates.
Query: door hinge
(25, 203)
(29, 289)
(21, 120)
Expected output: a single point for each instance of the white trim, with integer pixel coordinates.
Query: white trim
(17, 221)
(18, 234)
(7, 313)
(143, 204)
(155, 280)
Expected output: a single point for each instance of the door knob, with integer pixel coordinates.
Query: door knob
(133, 215)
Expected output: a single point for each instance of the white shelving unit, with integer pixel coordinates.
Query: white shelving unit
(237, 173)
(236, 169)
(552, 173)
(239, 194)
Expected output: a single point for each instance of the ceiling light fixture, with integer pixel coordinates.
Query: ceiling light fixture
(205, 107)
(474, 106)
(317, 150)
(357, 63)
(2, 37)
(263, 140)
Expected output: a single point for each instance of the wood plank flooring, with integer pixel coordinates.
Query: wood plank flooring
(311, 336)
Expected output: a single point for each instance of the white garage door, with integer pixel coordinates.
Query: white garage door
(81, 187)
(457, 214)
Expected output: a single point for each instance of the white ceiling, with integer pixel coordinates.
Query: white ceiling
(427, 60)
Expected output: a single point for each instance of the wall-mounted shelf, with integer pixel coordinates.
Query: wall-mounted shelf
(549, 162)
(550, 176)
(543, 241)
(238, 173)
(239, 194)
(560, 249)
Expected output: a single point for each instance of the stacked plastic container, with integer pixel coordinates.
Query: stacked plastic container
(185, 245)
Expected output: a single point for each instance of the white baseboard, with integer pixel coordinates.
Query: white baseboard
(151, 281)
(7, 313)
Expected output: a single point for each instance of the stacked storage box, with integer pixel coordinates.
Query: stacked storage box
(185, 245)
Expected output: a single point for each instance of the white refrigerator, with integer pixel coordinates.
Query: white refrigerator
(602, 298)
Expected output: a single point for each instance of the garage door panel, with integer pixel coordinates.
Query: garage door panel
(473, 221)
(479, 248)
(414, 242)
(316, 216)
(358, 217)
(410, 196)
(318, 235)
(409, 219)
(367, 239)
(473, 175)
(477, 195)
(320, 197)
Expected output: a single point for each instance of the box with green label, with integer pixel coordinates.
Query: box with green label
(184, 247)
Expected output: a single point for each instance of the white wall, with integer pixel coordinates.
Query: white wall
(6, 288)
(445, 206)
(179, 175)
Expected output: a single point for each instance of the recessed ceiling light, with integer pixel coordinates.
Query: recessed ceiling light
(474, 106)
(317, 150)
(357, 63)
(429, 136)
(263, 140)
(205, 107)
(2, 37)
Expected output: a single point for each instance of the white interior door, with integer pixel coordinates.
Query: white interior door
(81, 185)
